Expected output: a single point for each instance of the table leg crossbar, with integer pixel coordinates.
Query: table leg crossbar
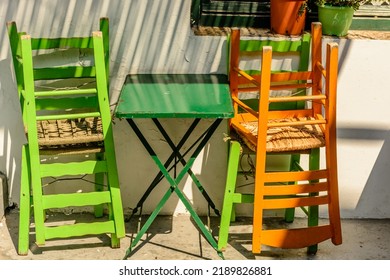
(174, 182)
(159, 177)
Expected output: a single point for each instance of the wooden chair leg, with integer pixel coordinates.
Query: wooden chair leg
(99, 183)
(115, 241)
(290, 212)
(313, 211)
(116, 204)
(25, 205)
(39, 212)
(228, 199)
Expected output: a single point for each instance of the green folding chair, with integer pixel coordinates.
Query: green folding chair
(67, 120)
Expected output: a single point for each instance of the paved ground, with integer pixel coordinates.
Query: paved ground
(176, 238)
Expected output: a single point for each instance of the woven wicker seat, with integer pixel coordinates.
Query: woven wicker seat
(69, 132)
(286, 138)
(70, 137)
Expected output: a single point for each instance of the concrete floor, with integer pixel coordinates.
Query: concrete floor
(177, 238)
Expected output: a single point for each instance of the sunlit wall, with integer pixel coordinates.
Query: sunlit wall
(155, 36)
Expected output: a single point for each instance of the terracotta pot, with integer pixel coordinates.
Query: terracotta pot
(285, 17)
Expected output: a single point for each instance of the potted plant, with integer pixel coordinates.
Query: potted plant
(336, 15)
(288, 17)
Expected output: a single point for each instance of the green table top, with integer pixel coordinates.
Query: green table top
(175, 96)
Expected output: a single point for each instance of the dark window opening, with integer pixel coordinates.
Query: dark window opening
(256, 14)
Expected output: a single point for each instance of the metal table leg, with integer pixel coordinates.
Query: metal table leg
(175, 181)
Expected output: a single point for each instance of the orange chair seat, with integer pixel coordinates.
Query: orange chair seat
(283, 139)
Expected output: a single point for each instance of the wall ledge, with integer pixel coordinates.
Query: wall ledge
(255, 32)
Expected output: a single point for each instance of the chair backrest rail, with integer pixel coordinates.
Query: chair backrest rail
(61, 43)
(298, 98)
(296, 189)
(65, 92)
(277, 45)
(296, 123)
(63, 103)
(64, 72)
(244, 106)
(68, 116)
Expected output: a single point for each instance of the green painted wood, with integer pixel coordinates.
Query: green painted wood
(79, 229)
(73, 168)
(116, 209)
(64, 72)
(54, 93)
(242, 198)
(229, 195)
(277, 46)
(30, 113)
(364, 23)
(61, 43)
(65, 103)
(99, 186)
(24, 204)
(68, 116)
(313, 211)
(75, 199)
(175, 96)
(84, 102)
(289, 214)
(195, 11)
(104, 28)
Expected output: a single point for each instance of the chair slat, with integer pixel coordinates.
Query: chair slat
(75, 199)
(283, 203)
(68, 116)
(296, 238)
(79, 229)
(64, 72)
(73, 102)
(291, 176)
(65, 92)
(296, 123)
(295, 189)
(73, 168)
(297, 98)
(61, 43)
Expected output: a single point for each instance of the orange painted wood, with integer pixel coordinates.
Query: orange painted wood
(296, 238)
(290, 189)
(292, 176)
(295, 189)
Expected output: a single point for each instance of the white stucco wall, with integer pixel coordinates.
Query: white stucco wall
(155, 36)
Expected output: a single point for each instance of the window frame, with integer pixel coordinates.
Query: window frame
(256, 14)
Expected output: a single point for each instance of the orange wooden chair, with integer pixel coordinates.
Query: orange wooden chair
(311, 131)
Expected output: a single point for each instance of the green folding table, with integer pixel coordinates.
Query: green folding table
(194, 96)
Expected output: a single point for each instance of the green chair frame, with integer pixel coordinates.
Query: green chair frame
(81, 144)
